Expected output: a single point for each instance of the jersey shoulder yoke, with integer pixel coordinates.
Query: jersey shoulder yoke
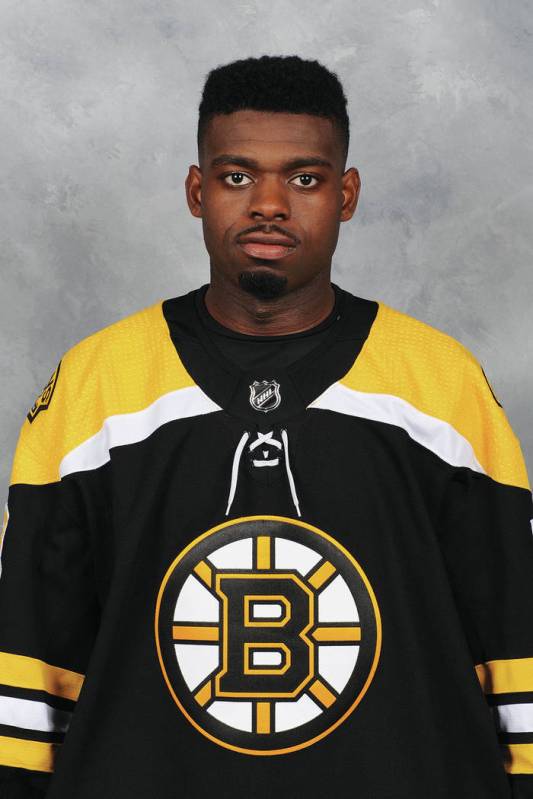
(413, 375)
(118, 371)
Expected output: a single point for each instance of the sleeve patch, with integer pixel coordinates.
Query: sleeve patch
(45, 397)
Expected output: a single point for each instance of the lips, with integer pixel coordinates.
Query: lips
(269, 248)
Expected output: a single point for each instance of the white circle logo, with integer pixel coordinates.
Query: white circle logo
(268, 634)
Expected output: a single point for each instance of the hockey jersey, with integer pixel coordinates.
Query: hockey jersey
(300, 579)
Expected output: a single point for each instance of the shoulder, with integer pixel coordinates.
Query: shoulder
(417, 377)
(120, 369)
(412, 359)
(135, 351)
(122, 366)
(136, 332)
(412, 337)
(440, 365)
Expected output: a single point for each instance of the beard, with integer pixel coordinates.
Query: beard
(263, 285)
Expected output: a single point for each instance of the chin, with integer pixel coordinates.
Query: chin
(263, 284)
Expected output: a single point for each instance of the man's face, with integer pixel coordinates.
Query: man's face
(271, 193)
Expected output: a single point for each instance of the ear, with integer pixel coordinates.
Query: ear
(193, 190)
(351, 185)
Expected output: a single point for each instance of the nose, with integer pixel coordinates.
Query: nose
(269, 200)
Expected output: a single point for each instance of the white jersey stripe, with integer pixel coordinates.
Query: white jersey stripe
(32, 715)
(514, 718)
(129, 428)
(432, 433)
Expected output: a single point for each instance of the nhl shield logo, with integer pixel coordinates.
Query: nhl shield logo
(264, 395)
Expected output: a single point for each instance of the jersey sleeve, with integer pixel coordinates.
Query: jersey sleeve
(49, 611)
(487, 542)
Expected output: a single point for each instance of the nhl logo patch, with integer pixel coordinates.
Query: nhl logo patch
(268, 634)
(265, 395)
(45, 397)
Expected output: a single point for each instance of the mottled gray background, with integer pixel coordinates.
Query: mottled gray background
(98, 121)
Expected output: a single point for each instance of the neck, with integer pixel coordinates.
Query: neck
(298, 310)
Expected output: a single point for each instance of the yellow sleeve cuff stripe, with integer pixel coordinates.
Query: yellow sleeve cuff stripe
(518, 758)
(32, 755)
(21, 671)
(506, 676)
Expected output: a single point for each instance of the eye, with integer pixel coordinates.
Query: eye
(236, 179)
(305, 178)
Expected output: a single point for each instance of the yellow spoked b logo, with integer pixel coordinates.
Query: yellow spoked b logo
(268, 634)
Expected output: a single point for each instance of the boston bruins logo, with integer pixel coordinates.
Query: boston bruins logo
(268, 634)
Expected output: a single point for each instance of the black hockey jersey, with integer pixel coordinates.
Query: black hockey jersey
(302, 581)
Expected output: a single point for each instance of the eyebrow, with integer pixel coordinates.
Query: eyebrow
(251, 163)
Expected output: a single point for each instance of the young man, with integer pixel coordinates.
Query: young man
(268, 539)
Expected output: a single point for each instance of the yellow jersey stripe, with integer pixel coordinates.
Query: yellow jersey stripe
(21, 671)
(32, 755)
(518, 758)
(506, 676)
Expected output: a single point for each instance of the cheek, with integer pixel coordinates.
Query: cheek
(222, 214)
(320, 230)
(319, 214)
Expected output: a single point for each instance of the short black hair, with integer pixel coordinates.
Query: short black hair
(275, 83)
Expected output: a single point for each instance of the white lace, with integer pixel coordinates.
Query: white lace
(269, 440)
(265, 438)
(235, 468)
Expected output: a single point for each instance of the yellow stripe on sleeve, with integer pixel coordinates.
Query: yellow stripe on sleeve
(506, 676)
(518, 758)
(21, 671)
(32, 755)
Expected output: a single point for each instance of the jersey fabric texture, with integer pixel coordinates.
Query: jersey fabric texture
(304, 569)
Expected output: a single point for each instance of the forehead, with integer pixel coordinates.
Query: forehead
(266, 134)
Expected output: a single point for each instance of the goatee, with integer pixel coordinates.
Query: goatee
(263, 285)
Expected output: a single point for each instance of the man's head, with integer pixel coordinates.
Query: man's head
(271, 186)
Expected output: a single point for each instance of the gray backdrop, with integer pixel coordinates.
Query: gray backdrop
(98, 122)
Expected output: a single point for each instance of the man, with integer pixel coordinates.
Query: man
(268, 539)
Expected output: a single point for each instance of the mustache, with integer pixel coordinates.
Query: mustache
(268, 228)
